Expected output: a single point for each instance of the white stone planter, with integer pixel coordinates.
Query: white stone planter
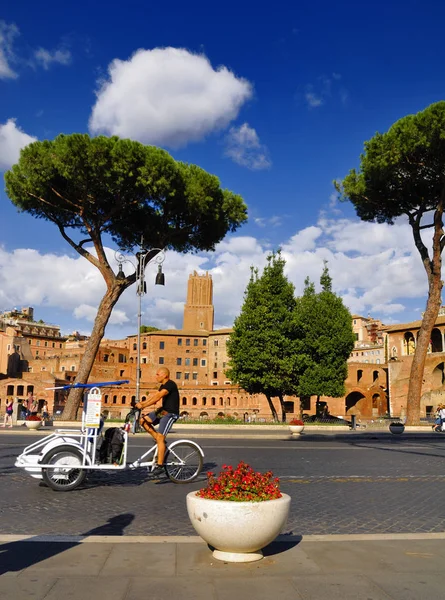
(397, 428)
(296, 429)
(33, 424)
(237, 530)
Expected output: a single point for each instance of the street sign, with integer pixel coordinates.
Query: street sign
(93, 407)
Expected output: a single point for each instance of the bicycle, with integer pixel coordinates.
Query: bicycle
(63, 459)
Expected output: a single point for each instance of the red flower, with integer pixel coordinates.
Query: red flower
(241, 485)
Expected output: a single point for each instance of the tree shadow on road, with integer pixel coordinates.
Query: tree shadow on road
(398, 445)
(22, 554)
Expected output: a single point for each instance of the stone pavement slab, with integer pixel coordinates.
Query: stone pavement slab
(130, 560)
(26, 586)
(412, 586)
(80, 560)
(89, 588)
(338, 587)
(161, 588)
(407, 567)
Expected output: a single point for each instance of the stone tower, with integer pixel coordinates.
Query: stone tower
(198, 310)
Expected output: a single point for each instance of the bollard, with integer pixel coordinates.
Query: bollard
(353, 422)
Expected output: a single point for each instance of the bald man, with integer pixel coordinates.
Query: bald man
(165, 415)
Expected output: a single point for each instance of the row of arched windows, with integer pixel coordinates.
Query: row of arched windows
(213, 401)
(409, 342)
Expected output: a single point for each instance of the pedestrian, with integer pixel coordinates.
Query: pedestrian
(34, 407)
(24, 409)
(45, 411)
(8, 413)
(136, 413)
(442, 416)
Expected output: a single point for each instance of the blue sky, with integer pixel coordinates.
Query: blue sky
(275, 101)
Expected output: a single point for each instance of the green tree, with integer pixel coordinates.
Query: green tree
(95, 187)
(325, 337)
(402, 173)
(260, 348)
(148, 328)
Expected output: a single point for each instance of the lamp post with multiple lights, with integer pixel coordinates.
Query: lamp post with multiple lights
(140, 261)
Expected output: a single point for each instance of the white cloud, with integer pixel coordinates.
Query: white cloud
(8, 32)
(243, 146)
(325, 88)
(12, 140)
(46, 58)
(167, 96)
(313, 100)
(375, 268)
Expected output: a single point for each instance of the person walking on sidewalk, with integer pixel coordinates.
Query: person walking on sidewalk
(165, 415)
(8, 413)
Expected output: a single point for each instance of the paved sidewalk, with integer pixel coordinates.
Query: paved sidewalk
(311, 432)
(360, 567)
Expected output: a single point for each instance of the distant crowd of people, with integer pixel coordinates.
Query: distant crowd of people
(29, 406)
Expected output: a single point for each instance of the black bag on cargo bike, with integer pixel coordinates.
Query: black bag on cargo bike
(112, 445)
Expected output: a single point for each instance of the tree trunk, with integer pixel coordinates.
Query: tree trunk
(283, 411)
(103, 314)
(433, 270)
(272, 408)
(418, 364)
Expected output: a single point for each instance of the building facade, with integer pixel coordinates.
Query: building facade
(34, 357)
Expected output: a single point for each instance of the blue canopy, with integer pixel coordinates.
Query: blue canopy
(89, 385)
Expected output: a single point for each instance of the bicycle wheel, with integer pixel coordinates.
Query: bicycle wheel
(183, 462)
(67, 475)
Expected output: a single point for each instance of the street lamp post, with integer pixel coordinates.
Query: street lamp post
(142, 258)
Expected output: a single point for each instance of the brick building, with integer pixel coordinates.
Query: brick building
(34, 356)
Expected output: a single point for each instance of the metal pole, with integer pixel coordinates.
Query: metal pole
(140, 291)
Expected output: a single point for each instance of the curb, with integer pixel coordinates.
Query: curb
(192, 539)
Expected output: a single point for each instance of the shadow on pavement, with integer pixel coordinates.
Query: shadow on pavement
(280, 547)
(16, 556)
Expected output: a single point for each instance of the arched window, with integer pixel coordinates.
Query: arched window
(124, 399)
(438, 376)
(106, 399)
(144, 346)
(221, 402)
(359, 374)
(409, 344)
(436, 344)
(114, 399)
(184, 401)
(204, 401)
(213, 401)
(194, 401)
(375, 375)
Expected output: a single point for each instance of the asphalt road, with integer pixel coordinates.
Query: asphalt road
(354, 486)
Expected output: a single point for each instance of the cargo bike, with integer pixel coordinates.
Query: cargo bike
(64, 458)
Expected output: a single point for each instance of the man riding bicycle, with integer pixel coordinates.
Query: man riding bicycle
(165, 416)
